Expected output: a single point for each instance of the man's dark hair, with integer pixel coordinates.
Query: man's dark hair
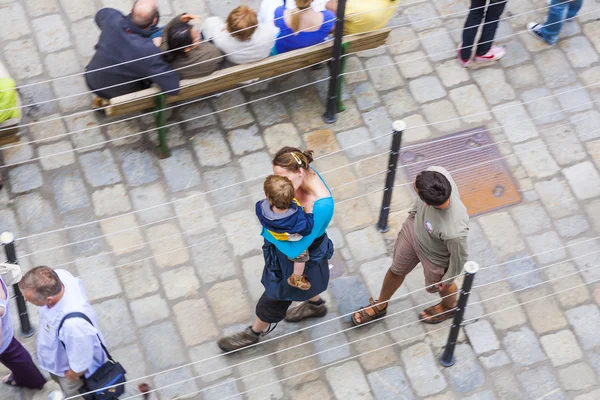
(43, 281)
(179, 38)
(433, 187)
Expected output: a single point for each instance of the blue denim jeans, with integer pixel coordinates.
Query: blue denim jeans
(558, 12)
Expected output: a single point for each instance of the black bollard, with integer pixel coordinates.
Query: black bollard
(382, 224)
(8, 240)
(447, 359)
(336, 64)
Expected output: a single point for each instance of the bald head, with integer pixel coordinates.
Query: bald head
(144, 13)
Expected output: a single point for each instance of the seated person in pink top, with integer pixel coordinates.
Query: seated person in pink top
(301, 27)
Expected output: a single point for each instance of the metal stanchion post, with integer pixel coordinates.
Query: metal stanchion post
(8, 240)
(336, 64)
(447, 359)
(382, 224)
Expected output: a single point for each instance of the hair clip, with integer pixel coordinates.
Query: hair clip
(298, 160)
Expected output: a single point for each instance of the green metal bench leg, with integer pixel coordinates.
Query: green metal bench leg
(340, 83)
(161, 120)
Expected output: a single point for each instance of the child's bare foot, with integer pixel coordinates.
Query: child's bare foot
(299, 282)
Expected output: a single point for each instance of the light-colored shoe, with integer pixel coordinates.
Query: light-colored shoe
(494, 54)
(535, 30)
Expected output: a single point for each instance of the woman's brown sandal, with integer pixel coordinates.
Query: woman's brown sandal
(435, 317)
(299, 282)
(366, 317)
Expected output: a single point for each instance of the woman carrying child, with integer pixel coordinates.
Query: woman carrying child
(272, 307)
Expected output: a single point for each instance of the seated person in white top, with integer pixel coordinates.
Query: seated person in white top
(57, 293)
(240, 38)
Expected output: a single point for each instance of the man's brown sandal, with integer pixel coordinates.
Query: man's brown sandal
(435, 317)
(299, 282)
(366, 317)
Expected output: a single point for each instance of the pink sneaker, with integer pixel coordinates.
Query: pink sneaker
(464, 63)
(494, 54)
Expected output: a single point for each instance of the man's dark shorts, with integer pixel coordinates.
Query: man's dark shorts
(271, 311)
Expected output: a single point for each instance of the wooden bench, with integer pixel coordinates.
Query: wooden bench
(231, 77)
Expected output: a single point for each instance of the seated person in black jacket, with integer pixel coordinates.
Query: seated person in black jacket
(127, 38)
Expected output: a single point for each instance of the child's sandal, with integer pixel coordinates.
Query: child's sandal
(299, 282)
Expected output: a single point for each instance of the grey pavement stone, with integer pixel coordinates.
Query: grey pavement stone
(197, 116)
(585, 250)
(572, 226)
(89, 235)
(399, 102)
(268, 112)
(261, 385)
(180, 282)
(485, 395)
(589, 77)
(365, 96)
(99, 168)
(126, 130)
(22, 57)
(365, 244)
(496, 360)
(466, 375)
(227, 388)
(384, 75)
(545, 316)
(71, 97)
(379, 123)
(20, 153)
(584, 179)
(77, 9)
(86, 34)
(242, 221)
(334, 347)
(413, 65)
(592, 209)
(563, 145)
(585, 124)
(138, 167)
(213, 259)
(280, 135)
(188, 313)
(506, 385)
(561, 347)
(422, 370)
(8, 221)
(144, 197)
(355, 66)
(211, 148)
(69, 191)
(389, 383)
(51, 33)
(403, 40)
(536, 159)
(423, 17)
(543, 108)
(147, 310)
(88, 134)
(451, 73)
(470, 104)
(14, 22)
(516, 54)
(296, 356)
(255, 166)
(516, 122)
(35, 212)
(352, 138)
(482, 337)
(557, 198)
(531, 218)
(494, 86)
(111, 200)
(180, 170)
(36, 8)
(217, 368)
(589, 396)
(443, 115)
(426, 89)
(554, 68)
(138, 279)
(522, 270)
(42, 95)
(539, 382)
(350, 294)
(585, 321)
(524, 76)
(523, 348)
(577, 377)
(571, 297)
(184, 375)
(123, 234)
(56, 155)
(245, 140)
(579, 51)
(548, 243)
(373, 273)
(161, 354)
(502, 232)
(195, 213)
(171, 250)
(574, 98)
(348, 381)
(116, 323)
(234, 117)
(229, 302)
(25, 178)
(437, 44)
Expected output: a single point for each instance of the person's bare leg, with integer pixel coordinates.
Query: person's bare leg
(259, 325)
(315, 299)
(450, 301)
(391, 283)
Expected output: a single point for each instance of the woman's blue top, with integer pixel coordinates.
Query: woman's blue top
(287, 41)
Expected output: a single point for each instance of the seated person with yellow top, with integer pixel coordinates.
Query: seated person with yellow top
(365, 15)
(9, 100)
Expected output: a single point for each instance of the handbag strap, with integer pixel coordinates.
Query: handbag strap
(82, 316)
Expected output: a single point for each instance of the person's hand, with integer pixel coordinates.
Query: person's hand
(308, 208)
(190, 17)
(443, 286)
(72, 375)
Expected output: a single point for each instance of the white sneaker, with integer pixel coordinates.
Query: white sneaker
(494, 54)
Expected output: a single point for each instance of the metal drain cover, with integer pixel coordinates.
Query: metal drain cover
(484, 181)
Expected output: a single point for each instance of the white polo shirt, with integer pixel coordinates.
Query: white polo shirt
(83, 351)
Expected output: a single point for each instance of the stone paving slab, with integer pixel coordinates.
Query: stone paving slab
(168, 281)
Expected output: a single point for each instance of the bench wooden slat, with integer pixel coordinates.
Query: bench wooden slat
(231, 77)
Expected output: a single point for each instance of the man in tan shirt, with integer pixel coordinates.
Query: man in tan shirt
(435, 234)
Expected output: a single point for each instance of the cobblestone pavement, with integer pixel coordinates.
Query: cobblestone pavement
(168, 281)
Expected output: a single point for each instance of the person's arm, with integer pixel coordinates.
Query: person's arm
(458, 257)
(104, 15)
(322, 212)
(332, 5)
(79, 338)
(2, 311)
(308, 223)
(413, 210)
(163, 75)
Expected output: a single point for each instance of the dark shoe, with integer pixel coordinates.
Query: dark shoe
(238, 340)
(306, 310)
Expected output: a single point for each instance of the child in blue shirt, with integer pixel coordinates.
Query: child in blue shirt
(281, 214)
